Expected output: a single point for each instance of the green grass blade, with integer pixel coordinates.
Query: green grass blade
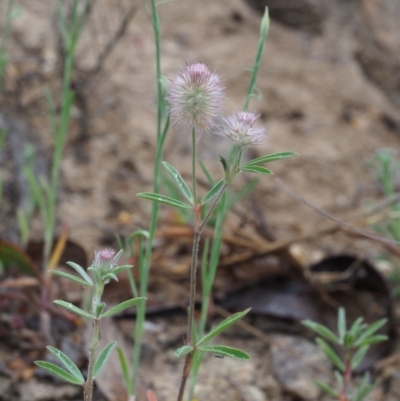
(125, 370)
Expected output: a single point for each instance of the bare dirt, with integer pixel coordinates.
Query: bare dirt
(322, 97)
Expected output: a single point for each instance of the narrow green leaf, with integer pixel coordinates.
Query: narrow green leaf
(96, 273)
(212, 193)
(3, 135)
(341, 324)
(226, 351)
(270, 158)
(73, 308)
(71, 277)
(164, 199)
(99, 309)
(182, 351)
(102, 358)
(122, 306)
(207, 173)
(321, 330)
(374, 327)
(228, 322)
(179, 181)
(331, 354)
(339, 379)
(224, 163)
(355, 330)
(328, 389)
(109, 276)
(119, 269)
(359, 356)
(256, 169)
(81, 271)
(125, 370)
(59, 372)
(73, 369)
(362, 392)
(372, 340)
(364, 388)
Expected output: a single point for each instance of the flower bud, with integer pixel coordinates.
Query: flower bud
(105, 261)
(239, 129)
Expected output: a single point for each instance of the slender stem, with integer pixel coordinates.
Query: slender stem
(194, 161)
(346, 378)
(145, 266)
(212, 207)
(60, 135)
(193, 272)
(88, 388)
(256, 65)
(6, 36)
(185, 375)
(196, 242)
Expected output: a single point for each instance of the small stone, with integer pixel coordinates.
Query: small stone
(292, 360)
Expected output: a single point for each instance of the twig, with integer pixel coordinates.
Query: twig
(318, 232)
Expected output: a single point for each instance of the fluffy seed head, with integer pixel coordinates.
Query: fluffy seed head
(195, 96)
(239, 129)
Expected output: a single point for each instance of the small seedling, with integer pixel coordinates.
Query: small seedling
(346, 350)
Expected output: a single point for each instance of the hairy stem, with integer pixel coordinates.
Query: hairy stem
(88, 388)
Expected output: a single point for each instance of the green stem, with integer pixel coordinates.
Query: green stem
(213, 206)
(144, 268)
(60, 135)
(348, 371)
(88, 388)
(256, 65)
(193, 273)
(4, 43)
(194, 161)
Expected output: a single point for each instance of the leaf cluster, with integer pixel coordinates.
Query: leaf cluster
(72, 374)
(347, 349)
(221, 350)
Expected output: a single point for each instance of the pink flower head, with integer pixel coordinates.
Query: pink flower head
(239, 129)
(195, 96)
(106, 260)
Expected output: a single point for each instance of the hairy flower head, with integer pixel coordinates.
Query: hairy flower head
(195, 96)
(106, 260)
(239, 129)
